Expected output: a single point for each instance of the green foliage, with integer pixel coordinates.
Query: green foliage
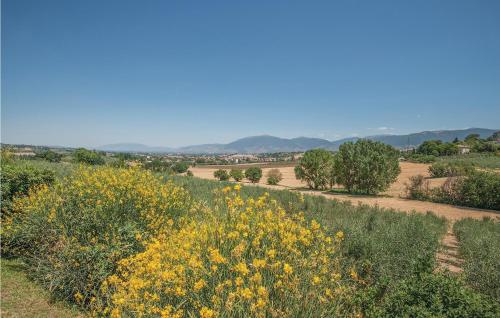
(419, 158)
(383, 245)
(437, 148)
(253, 174)
(158, 165)
(50, 156)
(189, 173)
(82, 155)
(366, 166)
(476, 189)
(221, 174)
(431, 295)
(448, 169)
(480, 248)
(315, 168)
(180, 167)
(237, 174)
(418, 188)
(17, 180)
(478, 160)
(274, 176)
(72, 234)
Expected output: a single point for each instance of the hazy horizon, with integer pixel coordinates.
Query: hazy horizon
(91, 73)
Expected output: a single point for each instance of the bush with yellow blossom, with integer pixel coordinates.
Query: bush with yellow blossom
(254, 261)
(71, 235)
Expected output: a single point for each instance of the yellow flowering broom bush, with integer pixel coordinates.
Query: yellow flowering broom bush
(71, 235)
(254, 261)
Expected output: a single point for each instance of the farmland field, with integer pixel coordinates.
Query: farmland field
(389, 199)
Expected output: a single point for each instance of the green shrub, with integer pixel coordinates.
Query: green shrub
(180, 167)
(448, 169)
(477, 189)
(431, 295)
(50, 156)
(82, 155)
(17, 180)
(221, 174)
(315, 168)
(274, 176)
(237, 174)
(72, 235)
(480, 248)
(366, 166)
(158, 165)
(189, 173)
(418, 188)
(253, 174)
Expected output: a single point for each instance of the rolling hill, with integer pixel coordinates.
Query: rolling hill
(269, 144)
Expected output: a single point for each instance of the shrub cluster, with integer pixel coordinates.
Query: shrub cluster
(274, 176)
(477, 189)
(72, 234)
(450, 169)
(257, 261)
(82, 155)
(18, 179)
(221, 174)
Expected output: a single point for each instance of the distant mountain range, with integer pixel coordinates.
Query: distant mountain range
(269, 144)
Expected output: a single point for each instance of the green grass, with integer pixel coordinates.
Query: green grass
(480, 249)
(482, 161)
(20, 297)
(383, 244)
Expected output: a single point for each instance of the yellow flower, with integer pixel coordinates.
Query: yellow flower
(206, 312)
(237, 187)
(340, 235)
(200, 284)
(242, 269)
(287, 269)
(316, 280)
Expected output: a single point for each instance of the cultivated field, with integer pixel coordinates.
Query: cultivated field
(392, 198)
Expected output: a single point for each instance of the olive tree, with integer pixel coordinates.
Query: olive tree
(237, 174)
(221, 174)
(253, 174)
(315, 168)
(366, 166)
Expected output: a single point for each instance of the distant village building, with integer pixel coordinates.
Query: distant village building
(463, 149)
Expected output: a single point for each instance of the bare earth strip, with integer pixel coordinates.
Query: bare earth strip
(390, 199)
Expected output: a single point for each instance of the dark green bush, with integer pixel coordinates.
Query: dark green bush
(253, 174)
(180, 167)
(17, 180)
(477, 189)
(237, 174)
(50, 156)
(366, 166)
(315, 168)
(82, 155)
(221, 174)
(430, 295)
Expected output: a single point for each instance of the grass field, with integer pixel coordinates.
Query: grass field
(480, 249)
(482, 161)
(20, 297)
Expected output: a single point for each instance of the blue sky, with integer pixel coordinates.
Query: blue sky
(173, 73)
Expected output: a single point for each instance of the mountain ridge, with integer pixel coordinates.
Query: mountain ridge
(269, 144)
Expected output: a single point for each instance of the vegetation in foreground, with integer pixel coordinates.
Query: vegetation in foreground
(88, 242)
(480, 249)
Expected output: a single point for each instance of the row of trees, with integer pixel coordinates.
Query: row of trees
(365, 166)
(252, 174)
(439, 148)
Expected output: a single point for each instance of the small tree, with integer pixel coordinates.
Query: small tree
(253, 174)
(274, 176)
(237, 174)
(180, 167)
(189, 173)
(315, 168)
(367, 166)
(82, 155)
(221, 174)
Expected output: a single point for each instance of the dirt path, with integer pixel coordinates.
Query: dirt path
(447, 256)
